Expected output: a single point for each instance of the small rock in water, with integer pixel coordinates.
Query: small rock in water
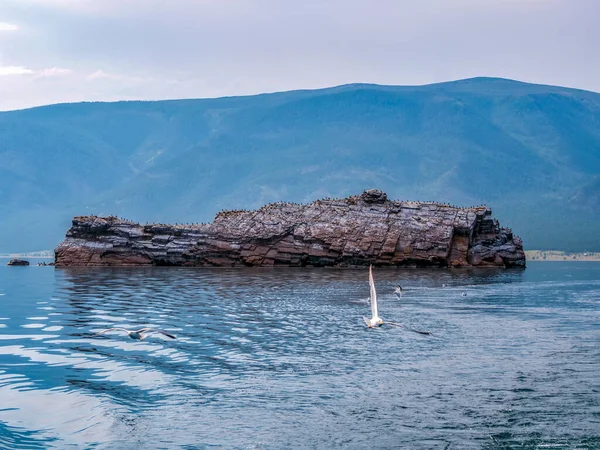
(18, 262)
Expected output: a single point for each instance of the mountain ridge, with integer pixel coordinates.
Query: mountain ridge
(454, 83)
(530, 152)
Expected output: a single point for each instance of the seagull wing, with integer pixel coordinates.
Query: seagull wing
(156, 330)
(373, 293)
(113, 329)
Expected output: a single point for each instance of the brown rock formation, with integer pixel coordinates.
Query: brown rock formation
(18, 262)
(354, 231)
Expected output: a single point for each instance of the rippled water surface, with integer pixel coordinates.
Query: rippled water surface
(281, 358)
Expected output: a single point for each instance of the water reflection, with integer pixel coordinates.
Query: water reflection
(278, 358)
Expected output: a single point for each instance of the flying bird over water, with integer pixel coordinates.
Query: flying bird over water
(398, 290)
(140, 334)
(376, 321)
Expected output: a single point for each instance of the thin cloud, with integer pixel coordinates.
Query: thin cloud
(4, 26)
(14, 70)
(53, 72)
(102, 75)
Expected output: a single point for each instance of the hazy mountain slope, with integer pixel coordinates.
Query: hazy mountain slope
(530, 152)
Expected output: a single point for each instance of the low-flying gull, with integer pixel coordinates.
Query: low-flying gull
(140, 334)
(398, 290)
(376, 321)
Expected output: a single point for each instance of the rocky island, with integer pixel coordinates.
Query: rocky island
(18, 262)
(353, 231)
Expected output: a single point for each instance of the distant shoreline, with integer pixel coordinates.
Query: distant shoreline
(555, 255)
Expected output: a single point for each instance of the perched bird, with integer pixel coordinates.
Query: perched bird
(140, 334)
(375, 321)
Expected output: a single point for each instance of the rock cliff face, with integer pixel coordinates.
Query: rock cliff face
(354, 231)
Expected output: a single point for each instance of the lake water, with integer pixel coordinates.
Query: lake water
(280, 358)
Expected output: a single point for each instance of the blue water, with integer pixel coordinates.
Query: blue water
(281, 358)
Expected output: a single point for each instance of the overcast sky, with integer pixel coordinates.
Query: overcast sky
(72, 50)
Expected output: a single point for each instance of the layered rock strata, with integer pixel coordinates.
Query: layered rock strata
(354, 231)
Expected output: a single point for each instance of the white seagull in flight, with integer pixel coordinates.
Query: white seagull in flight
(140, 334)
(375, 321)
